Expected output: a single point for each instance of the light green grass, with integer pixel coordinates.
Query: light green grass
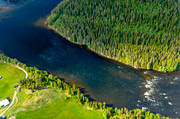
(10, 75)
(50, 104)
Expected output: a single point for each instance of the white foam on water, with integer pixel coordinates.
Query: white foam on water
(176, 78)
(166, 97)
(148, 84)
(163, 94)
(151, 86)
(154, 95)
(149, 92)
(155, 77)
(146, 93)
(150, 98)
(144, 108)
(140, 86)
(146, 72)
(170, 103)
(119, 67)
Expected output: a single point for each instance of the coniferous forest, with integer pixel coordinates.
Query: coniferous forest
(141, 33)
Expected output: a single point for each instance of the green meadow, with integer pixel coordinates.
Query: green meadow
(50, 103)
(10, 75)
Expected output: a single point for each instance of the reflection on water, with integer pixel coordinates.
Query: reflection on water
(104, 80)
(9, 2)
(2, 2)
(6, 5)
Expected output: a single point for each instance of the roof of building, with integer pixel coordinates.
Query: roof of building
(4, 102)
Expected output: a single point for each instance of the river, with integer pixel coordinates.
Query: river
(23, 36)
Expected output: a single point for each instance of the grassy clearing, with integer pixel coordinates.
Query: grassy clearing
(10, 75)
(50, 103)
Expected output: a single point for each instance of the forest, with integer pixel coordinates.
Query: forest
(39, 80)
(141, 33)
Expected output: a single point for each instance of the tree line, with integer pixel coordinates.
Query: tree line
(38, 80)
(140, 33)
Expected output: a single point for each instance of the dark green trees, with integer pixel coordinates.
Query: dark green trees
(141, 33)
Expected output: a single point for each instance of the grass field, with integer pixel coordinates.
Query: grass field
(50, 104)
(10, 75)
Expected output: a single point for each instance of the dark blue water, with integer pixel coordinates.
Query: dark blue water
(23, 36)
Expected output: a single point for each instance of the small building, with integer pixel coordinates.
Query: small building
(4, 102)
(0, 77)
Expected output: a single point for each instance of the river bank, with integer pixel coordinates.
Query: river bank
(101, 54)
(102, 79)
(130, 44)
(72, 92)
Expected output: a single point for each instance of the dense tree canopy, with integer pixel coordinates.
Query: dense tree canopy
(141, 33)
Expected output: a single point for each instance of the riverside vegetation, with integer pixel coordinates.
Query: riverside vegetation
(140, 33)
(40, 80)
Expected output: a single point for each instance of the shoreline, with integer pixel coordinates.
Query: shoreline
(98, 54)
(104, 56)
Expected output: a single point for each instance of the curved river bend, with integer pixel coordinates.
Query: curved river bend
(23, 36)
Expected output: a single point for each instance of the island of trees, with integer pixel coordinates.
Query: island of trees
(39, 80)
(141, 33)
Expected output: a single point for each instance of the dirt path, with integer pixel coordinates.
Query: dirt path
(15, 93)
(23, 71)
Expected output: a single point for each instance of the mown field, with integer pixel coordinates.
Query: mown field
(10, 75)
(50, 103)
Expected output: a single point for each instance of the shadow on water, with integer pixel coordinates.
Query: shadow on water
(23, 38)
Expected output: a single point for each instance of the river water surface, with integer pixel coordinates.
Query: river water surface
(23, 36)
